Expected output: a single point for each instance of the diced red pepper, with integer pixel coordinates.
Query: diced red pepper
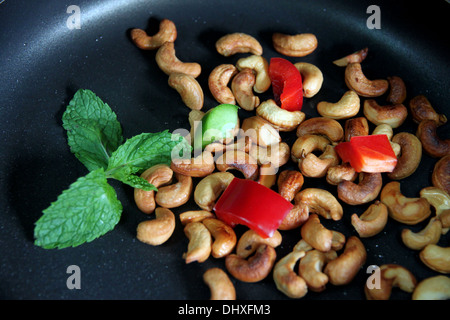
(371, 153)
(286, 84)
(249, 203)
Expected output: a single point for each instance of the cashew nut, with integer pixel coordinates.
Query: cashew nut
(356, 127)
(261, 67)
(260, 131)
(317, 167)
(306, 144)
(298, 215)
(159, 230)
(194, 216)
(281, 119)
(224, 237)
(238, 160)
(276, 154)
(210, 188)
(289, 184)
(169, 63)
(316, 234)
(327, 127)
(286, 280)
(391, 275)
(403, 209)
(347, 107)
(242, 88)
(372, 221)
(157, 175)
(421, 109)
(322, 202)
(434, 145)
(355, 57)
(167, 33)
(418, 240)
(218, 81)
(219, 284)
(344, 268)
(397, 93)
(200, 166)
(433, 288)
(176, 194)
(410, 155)
(441, 172)
(312, 78)
(250, 240)
(298, 45)
(343, 172)
(393, 115)
(440, 200)
(256, 268)
(311, 270)
(357, 81)
(436, 258)
(365, 191)
(189, 89)
(199, 247)
(238, 42)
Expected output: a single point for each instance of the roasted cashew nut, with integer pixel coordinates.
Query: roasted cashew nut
(281, 119)
(286, 280)
(355, 57)
(434, 145)
(159, 230)
(289, 183)
(397, 93)
(250, 240)
(392, 114)
(190, 91)
(314, 233)
(436, 258)
(238, 160)
(428, 235)
(169, 63)
(261, 67)
(410, 155)
(327, 127)
(238, 42)
(298, 45)
(372, 221)
(167, 33)
(219, 284)
(255, 268)
(347, 107)
(311, 270)
(242, 88)
(298, 215)
(200, 166)
(260, 131)
(199, 247)
(340, 173)
(355, 127)
(312, 78)
(224, 237)
(366, 190)
(317, 166)
(441, 171)
(421, 109)
(433, 288)
(403, 209)
(195, 216)
(275, 155)
(176, 194)
(357, 81)
(157, 175)
(210, 188)
(440, 200)
(218, 81)
(391, 275)
(322, 202)
(344, 268)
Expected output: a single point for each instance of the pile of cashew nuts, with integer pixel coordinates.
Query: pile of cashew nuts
(323, 256)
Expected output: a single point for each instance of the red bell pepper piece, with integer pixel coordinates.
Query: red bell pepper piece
(368, 153)
(286, 84)
(249, 203)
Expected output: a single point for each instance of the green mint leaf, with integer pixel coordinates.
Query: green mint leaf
(138, 182)
(93, 131)
(82, 213)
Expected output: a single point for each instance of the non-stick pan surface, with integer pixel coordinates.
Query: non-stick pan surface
(43, 62)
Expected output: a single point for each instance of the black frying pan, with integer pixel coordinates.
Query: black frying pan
(43, 63)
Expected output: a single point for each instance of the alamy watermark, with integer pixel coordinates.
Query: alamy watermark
(374, 20)
(74, 280)
(74, 20)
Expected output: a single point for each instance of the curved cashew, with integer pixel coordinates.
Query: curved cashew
(167, 33)
(410, 155)
(256, 268)
(440, 200)
(356, 127)
(431, 142)
(210, 188)
(397, 93)
(195, 216)
(391, 275)
(189, 89)
(200, 166)
(242, 88)
(286, 280)
(159, 230)
(281, 119)
(260, 131)
(372, 221)
(169, 63)
(312, 78)
(218, 81)
(418, 240)
(289, 183)
(322, 202)
(314, 233)
(157, 175)
(393, 114)
(199, 247)
(327, 127)
(439, 177)
(344, 268)
(224, 237)
(261, 67)
(306, 144)
(250, 240)
(298, 215)
(436, 258)
(238, 42)
(276, 154)
(317, 167)
(433, 288)
(176, 194)
(238, 160)
(311, 270)
(355, 57)
(340, 173)
(357, 81)
(366, 190)
(347, 107)
(421, 109)
(405, 210)
(219, 284)
(298, 45)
